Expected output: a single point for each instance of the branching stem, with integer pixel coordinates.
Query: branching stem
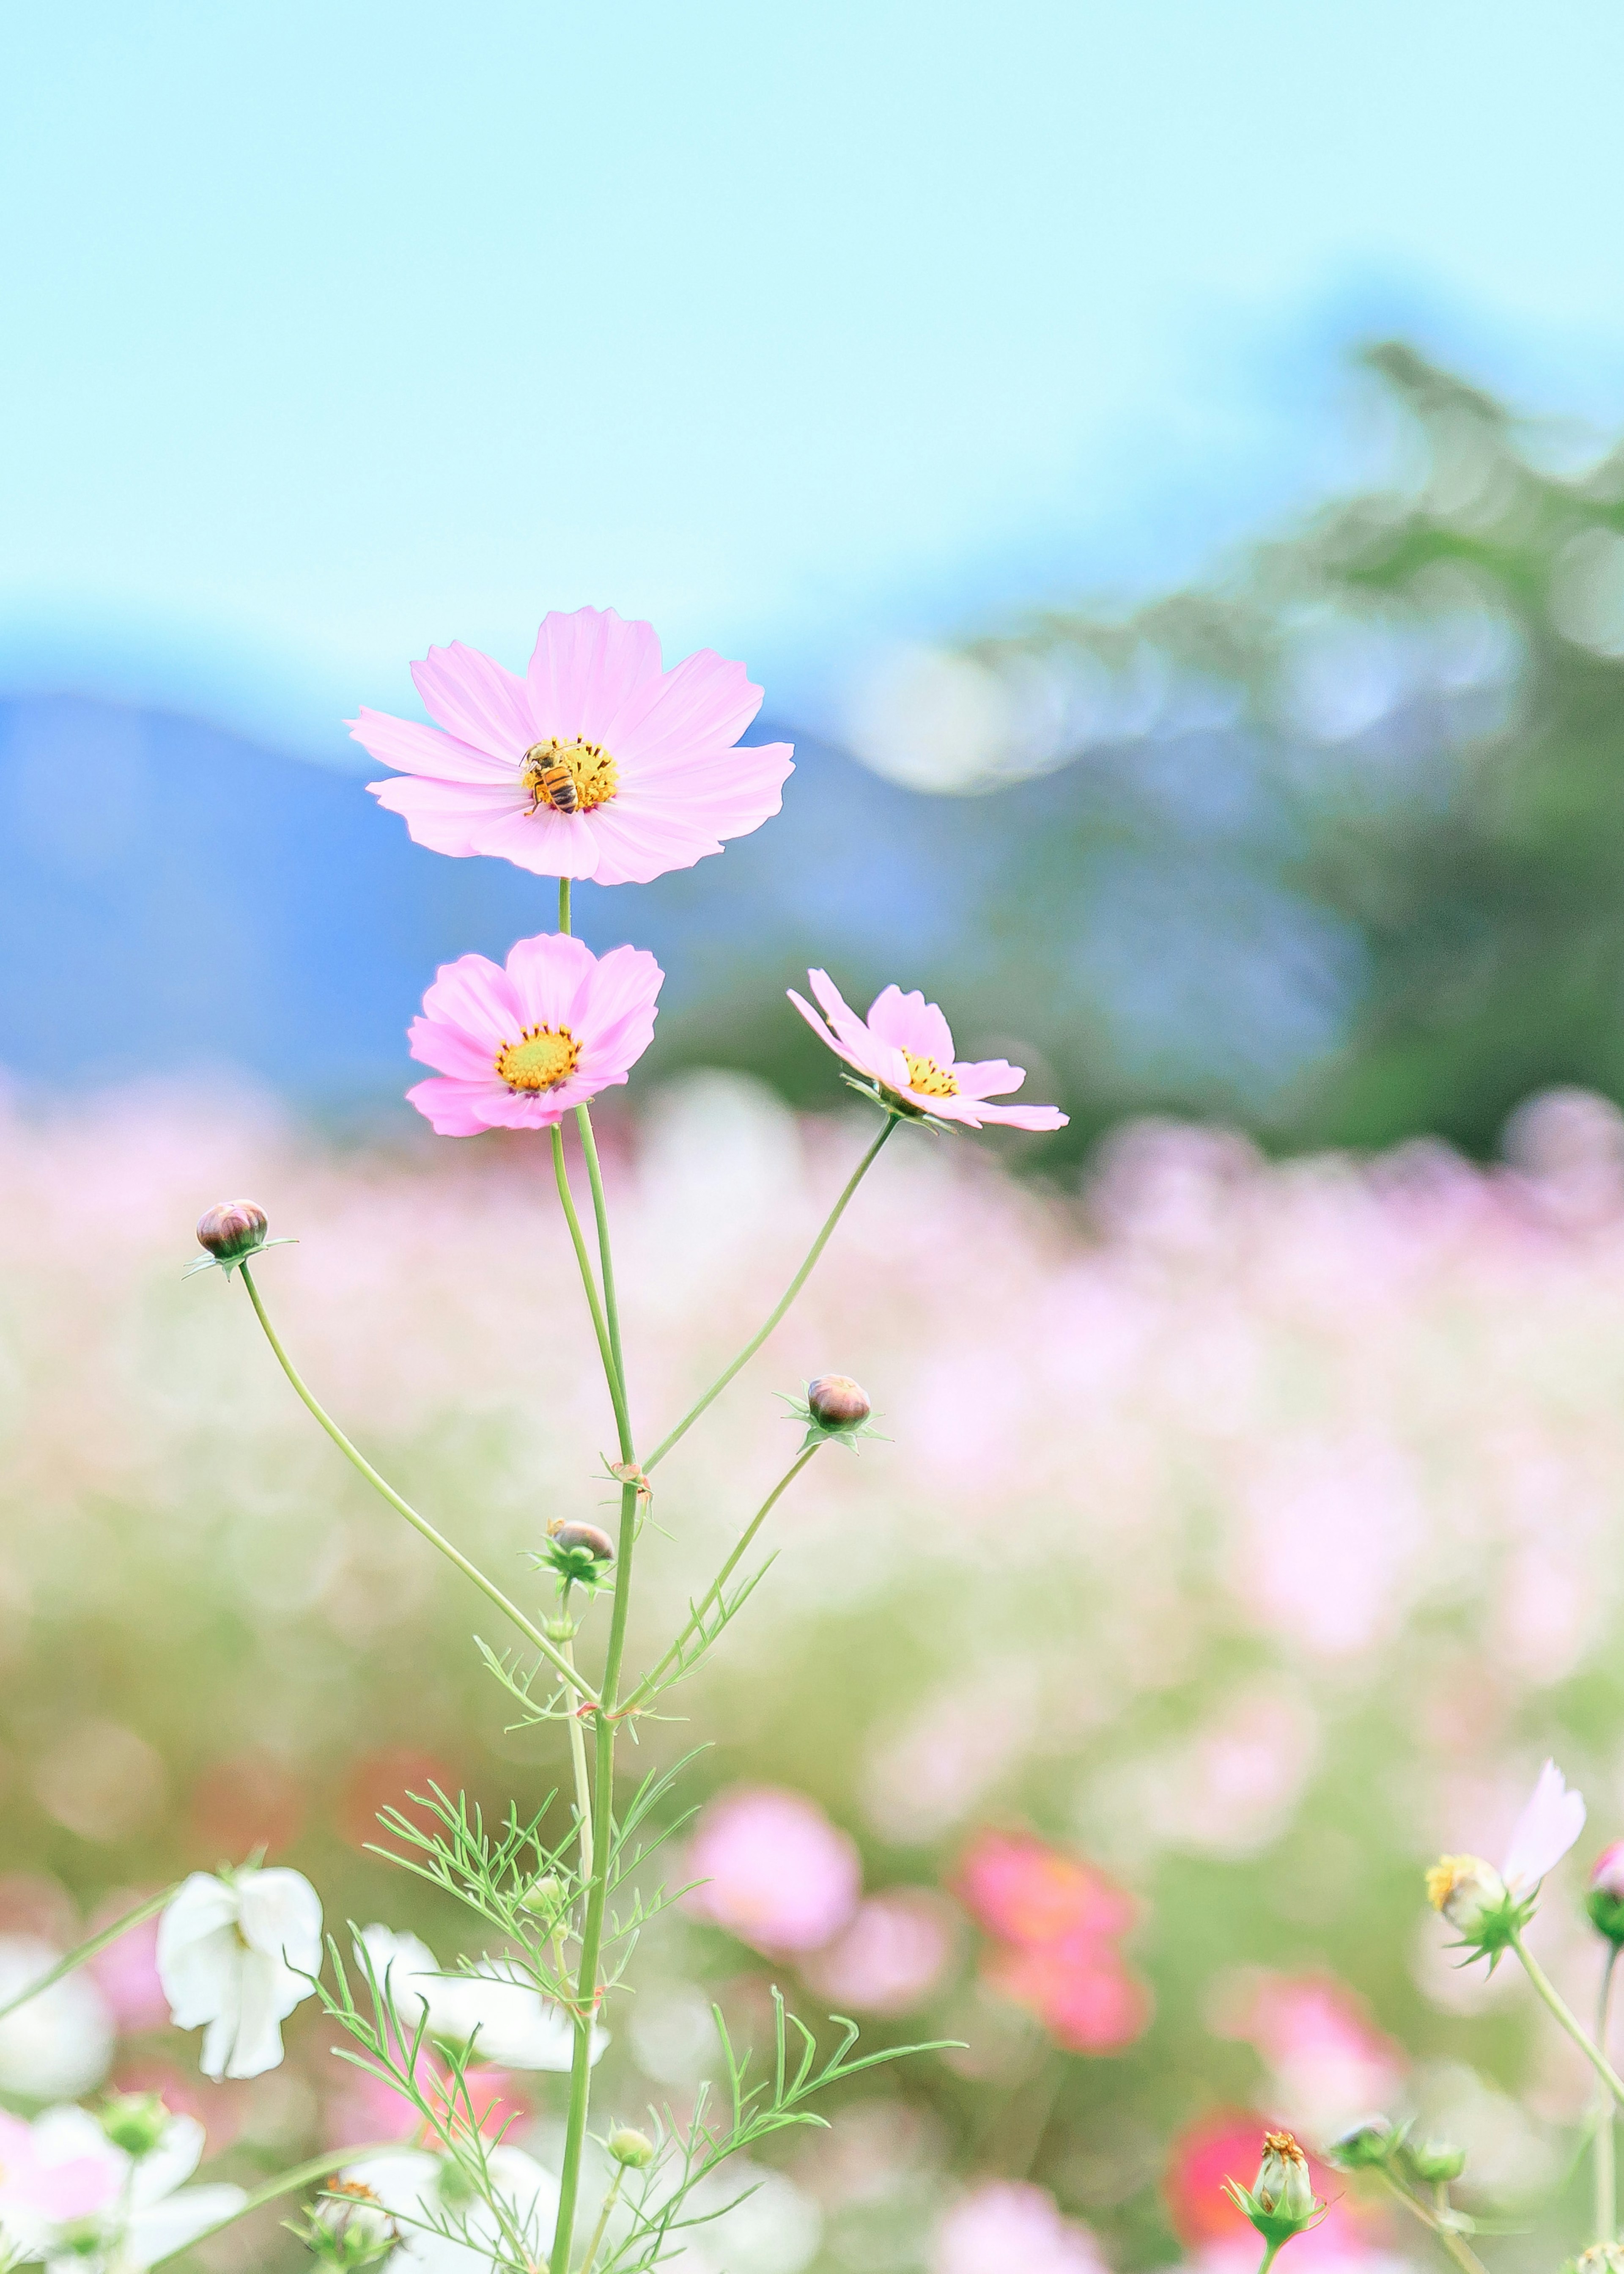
(1456, 2243)
(1575, 2029)
(83, 1950)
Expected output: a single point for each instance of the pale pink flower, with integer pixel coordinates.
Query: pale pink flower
(1543, 1833)
(906, 1046)
(46, 2182)
(518, 1047)
(1008, 2226)
(775, 1872)
(891, 1957)
(596, 763)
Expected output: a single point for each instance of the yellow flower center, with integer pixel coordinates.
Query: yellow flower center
(588, 765)
(540, 1059)
(1444, 1876)
(929, 1079)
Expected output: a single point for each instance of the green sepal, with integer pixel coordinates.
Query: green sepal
(1276, 2226)
(901, 1109)
(229, 1263)
(820, 1433)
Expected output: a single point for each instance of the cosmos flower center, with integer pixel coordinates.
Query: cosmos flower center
(541, 1059)
(569, 777)
(929, 1079)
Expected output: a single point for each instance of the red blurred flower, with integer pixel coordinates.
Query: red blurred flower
(248, 1801)
(1226, 2145)
(387, 1779)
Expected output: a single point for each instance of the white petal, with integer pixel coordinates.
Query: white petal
(401, 2182)
(282, 1915)
(171, 2163)
(257, 2043)
(199, 1974)
(1545, 1831)
(162, 2228)
(518, 2028)
(59, 2043)
(218, 2040)
(202, 1906)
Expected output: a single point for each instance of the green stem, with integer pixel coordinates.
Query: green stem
(83, 1950)
(790, 1293)
(601, 1326)
(531, 1633)
(612, 1313)
(563, 904)
(1605, 2149)
(610, 2200)
(1547, 1990)
(577, 1759)
(1458, 2248)
(741, 1547)
(320, 2167)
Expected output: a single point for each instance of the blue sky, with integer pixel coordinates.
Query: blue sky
(334, 330)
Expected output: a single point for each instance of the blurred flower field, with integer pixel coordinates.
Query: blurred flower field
(1240, 1535)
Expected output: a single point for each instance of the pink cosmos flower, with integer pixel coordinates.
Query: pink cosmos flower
(906, 1046)
(1009, 2226)
(775, 1872)
(891, 1957)
(1029, 1894)
(518, 1047)
(596, 763)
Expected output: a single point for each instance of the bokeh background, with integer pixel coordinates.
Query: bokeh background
(1162, 464)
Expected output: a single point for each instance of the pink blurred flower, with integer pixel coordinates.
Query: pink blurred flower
(126, 1972)
(906, 1046)
(518, 1047)
(364, 2107)
(652, 778)
(1025, 1891)
(1008, 2226)
(1215, 2233)
(776, 1873)
(41, 2186)
(1087, 1999)
(1607, 1871)
(1329, 2065)
(891, 1957)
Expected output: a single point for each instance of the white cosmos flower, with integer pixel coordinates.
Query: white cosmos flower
(417, 2186)
(129, 2212)
(515, 2026)
(60, 2043)
(1543, 1833)
(232, 1955)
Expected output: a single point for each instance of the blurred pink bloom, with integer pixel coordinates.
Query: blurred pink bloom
(1543, 1833)
(39, 2185)
(518, 1047)
(363, 2108)
(654, 781)
(1025, 1891)
(1607, 1871)
(891, 1955)
(1085, 1996)
(1217, 2233)
(126, 1972)
(1007, 2227)
(776, 1873)
(1329, 2065)
(906, 1046)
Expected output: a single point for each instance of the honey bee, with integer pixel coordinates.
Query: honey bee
(549, 783)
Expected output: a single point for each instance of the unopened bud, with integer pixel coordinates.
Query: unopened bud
(1436, 2162)
(1366, 2147)
(1605, 1898)
(634, 2150)
(837, 1402)
(590, 1536)
(1280, 2201)
(349, 2228)
(232, 1230)
(135, 2121)
(545, 1897)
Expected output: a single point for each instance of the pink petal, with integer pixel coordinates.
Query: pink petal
(624, 988)
(1024, 1117)
(702, 703)
(476, 996)
(458, 1108)
(585, 669)
(548, 843)
(449, 1051)
(1544, 1832)
(988, 1077)
(823, 1034)
(418, 749)
(475, 698)
(911, 1024)
(447, 817)
(634, 848)
(552, 978)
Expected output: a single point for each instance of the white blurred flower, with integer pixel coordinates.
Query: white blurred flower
(508, 2020)
(232, 1955)
(60, 2043)
(83, 2206)
(426, 2192)
(755, 2221)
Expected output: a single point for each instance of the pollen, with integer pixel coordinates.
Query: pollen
(541, 1059)
(929, 1079)
(1284, 2143)
(588, 765)
(1442, 1876)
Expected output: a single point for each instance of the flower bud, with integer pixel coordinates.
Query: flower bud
(1366, 2147)
(1280, 2201)
(545, 1897)
(1600, 2258)
(1605, 1898)
(837, 1402)
(232, 1230)
(134, 2122)
(1436, 2162)
(349, 2228)
(634, 2150)
(1475, 1900)
(590, 1536)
